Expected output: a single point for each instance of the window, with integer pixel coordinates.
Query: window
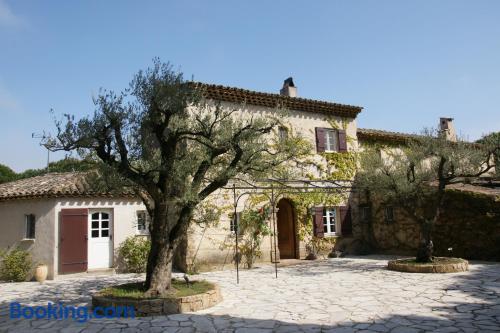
(29, 226)
(329, 221)
(100, 225)
(282, 133)
(142, 222)
(389, 214)
(331, 142)
(233, 223)
(364, 214)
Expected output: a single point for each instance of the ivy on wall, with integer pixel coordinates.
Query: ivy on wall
(331, 166)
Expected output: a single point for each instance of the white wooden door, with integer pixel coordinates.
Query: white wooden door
(100, 239)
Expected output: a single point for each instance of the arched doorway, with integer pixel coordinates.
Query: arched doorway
(286, 230)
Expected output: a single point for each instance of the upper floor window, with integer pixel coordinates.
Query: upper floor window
(329, 221)
(30, 222)
(330, 140)
(142, 222)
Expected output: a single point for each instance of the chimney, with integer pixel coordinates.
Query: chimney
(447, 129)
(289, 88)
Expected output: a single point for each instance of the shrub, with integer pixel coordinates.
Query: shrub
(134, 253)
(16, 265)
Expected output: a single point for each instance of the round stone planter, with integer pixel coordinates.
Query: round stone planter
(441, 265)
(160, 306)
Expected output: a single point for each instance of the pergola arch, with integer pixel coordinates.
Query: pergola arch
(275, 190)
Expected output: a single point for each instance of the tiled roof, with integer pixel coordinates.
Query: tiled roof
(51, 185)
(237, 95)
(379, 135)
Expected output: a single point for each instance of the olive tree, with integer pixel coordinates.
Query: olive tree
(414, 176)
(174, 148)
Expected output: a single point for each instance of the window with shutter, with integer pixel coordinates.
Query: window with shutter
(318, 228)
(330, 221)
(342, 138)
(320, 139)
(345, 220)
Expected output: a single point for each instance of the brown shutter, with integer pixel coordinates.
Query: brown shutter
(318, 227)
(342, 140)
(345, 220)
(320, 139)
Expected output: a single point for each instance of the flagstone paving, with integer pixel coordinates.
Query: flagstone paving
(337, 295)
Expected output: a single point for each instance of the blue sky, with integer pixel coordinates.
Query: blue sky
(406, 62)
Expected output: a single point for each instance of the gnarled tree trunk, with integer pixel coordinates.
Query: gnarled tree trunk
(426, 247)
(159, 267)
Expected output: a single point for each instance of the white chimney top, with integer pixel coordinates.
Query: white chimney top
(289, 88)
(447, 129)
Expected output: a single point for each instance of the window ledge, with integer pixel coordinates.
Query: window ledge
(332, 235)
(28, 240)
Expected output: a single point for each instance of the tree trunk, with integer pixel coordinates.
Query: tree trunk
(426, 247)
(159, 267)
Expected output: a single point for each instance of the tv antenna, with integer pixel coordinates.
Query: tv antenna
(43, 138)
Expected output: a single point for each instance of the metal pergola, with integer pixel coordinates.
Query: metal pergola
(274, 190)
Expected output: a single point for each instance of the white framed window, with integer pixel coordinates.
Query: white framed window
(29, 226)
(330, 221)
(142, 222)
(331, 140)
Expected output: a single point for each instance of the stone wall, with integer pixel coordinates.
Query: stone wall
(469, 225)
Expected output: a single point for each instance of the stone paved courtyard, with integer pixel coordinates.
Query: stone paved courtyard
(337, 295)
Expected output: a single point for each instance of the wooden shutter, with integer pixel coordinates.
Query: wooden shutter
(342, 140)
(73, 231)
(318, 227)
(320, 139)
(345, 220)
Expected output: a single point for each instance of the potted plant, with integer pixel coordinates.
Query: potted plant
(41, 271)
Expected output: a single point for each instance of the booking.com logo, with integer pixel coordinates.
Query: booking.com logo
(60, 311)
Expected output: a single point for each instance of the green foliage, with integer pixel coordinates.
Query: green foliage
(6, 174)
(253, 227)
(402, 175)
(16, 265)
(173, 147)
(68, 164)
(137, 289)
(492, 141)
(340, 166)
(65, 165)
(134, 252)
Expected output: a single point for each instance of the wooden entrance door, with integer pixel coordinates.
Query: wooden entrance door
(286, 230)
(73, 233)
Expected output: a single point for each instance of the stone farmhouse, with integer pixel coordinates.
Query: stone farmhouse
(72, 228)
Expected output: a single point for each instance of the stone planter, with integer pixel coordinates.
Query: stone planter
(41, 273)
(161, 306)
(442, 265)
